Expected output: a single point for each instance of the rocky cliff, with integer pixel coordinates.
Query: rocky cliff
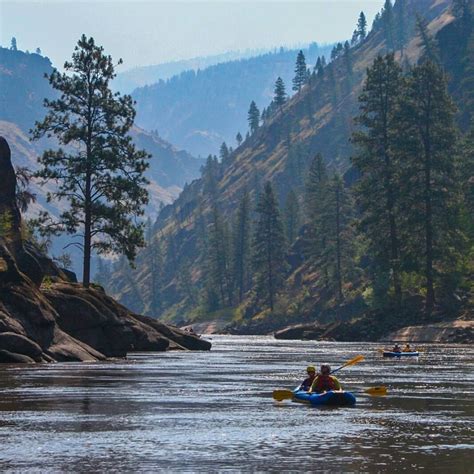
(46, 317)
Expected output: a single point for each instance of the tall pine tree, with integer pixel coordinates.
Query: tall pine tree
(241, 246)
(300, 72)
(378, 187)
(99, 173)
(268, 248)
(253, 117)
(279, 93)
(430, 180)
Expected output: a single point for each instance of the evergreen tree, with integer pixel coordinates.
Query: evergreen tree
(291, 217)
(154, 255)
(388, 24)
(467, 83)
(253, 117)
(336, 217)
(319, 67)
(219, 263)
(38, 51)
(430, 181)
(241, 253)
(361, 30)
(280, 93)
(464, 11)
(13, 45)
(268, 248)
(378, 187)
(239, 139)
(401, 25)
(224, 152)
(300, 72)
(428, 43)
(316, 188)
(348, 62)
(100, 173)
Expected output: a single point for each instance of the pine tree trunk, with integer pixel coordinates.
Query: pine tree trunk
(87, 234)
(430, 295)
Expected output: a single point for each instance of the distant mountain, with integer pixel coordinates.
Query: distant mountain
(131, 79)
(198, 110)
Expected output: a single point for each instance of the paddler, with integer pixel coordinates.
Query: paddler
(325, 381)
(396, 348)
(308, 381)
(407, 348)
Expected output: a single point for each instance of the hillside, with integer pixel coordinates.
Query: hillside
(317, 120)
(129, 80)
(199, 109)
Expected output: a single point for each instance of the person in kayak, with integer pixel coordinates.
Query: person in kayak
(325, 381)
(396, 348)
(407, 348)
(308, 381)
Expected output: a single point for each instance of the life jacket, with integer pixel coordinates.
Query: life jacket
(323, 383)
(306, 384)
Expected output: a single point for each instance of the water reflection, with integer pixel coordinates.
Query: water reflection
(213, 411)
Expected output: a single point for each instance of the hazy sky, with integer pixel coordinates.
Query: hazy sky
(150, 32)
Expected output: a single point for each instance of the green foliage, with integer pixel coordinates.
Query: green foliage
(388, 25)
(224, 152)
(100, 173)
(241, 247)
(279, 93)
(13, 45)
(253, 117)
(377, 191)
(239, 139)
(301, 74)
(64, 260)
(428, 43)
(361, 30)
(268, 248)
(291, 216)
(429, 175)
(6, 223)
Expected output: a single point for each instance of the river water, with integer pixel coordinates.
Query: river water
(213, 411)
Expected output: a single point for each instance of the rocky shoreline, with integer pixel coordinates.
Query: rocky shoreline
(45, 316)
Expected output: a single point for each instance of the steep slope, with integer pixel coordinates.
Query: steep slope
(318, 119)
(198, 110)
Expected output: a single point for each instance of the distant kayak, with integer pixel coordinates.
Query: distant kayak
(330, 398)
(400, 354)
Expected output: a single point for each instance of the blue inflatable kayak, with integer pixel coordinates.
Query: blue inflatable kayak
(331, 398)
(400, 354)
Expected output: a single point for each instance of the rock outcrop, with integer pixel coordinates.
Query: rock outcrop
(61, 320)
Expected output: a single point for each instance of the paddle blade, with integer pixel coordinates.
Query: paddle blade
(377, 391)
(280, 395)
(354, 361)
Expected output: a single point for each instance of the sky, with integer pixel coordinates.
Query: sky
(154, 31)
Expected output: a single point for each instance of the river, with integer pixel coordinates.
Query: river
(213, 411)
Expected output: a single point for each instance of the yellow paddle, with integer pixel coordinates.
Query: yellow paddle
(353, 361)
(379, 391)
